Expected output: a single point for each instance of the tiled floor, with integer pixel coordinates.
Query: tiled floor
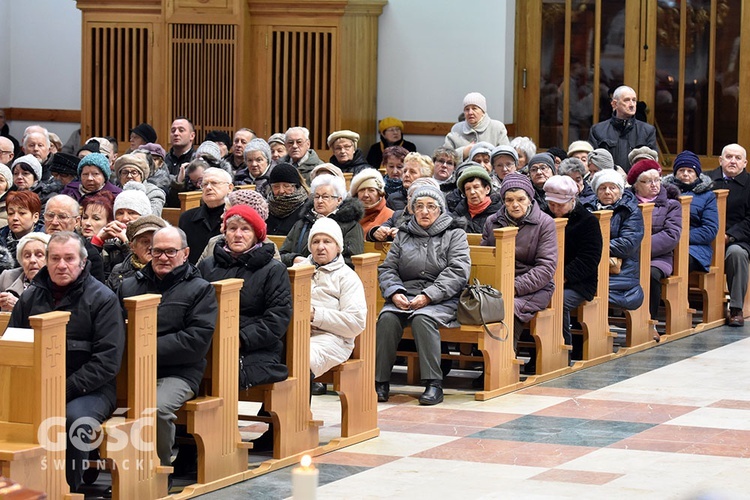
(670, 422)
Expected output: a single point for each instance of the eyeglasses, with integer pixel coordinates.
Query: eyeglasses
(206, 184)
(52, 216)
(653, 182)
(445, 162)
(430, 208)
(543, 168)
(130, 173)
(169, 252)
(344, 147)
(324, 197)
(506, 166)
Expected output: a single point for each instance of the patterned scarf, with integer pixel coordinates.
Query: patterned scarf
(285, 204)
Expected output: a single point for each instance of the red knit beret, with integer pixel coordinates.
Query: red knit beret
(640, 167)
(252, 218)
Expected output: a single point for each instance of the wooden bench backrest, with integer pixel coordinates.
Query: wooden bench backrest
(246, 186)
(474, 238)
(136, 381)
(189, 200)
(602, 287)
(556, 302)
(171, 215)
(32, 389)
(682, 250)
(718, 245)
(366, 267)
(277, 239)
(639, 326)
(348, 179)
(298, 334)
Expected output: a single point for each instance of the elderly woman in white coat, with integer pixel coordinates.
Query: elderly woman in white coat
(338, 307)
(476, 127)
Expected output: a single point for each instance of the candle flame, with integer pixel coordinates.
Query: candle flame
(306, 461)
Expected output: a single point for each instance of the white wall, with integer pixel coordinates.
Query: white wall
(431, 53)
(42, 69)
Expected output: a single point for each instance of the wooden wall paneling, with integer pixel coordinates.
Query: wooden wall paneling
(743, 124)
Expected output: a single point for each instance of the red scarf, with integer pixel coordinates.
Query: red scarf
(475, 210)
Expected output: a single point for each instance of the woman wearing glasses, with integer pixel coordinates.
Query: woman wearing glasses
(541, 168)
(327, 199)
(421, 278)
(666, 224)
(134, 168)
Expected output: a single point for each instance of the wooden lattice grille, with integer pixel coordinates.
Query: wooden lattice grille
(202, 76)
(301, 82)
(119, 76)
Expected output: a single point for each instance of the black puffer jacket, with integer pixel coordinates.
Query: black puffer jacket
(185, 321)
(347, 216)
(265, 308)
(95, 335)
(619, 137)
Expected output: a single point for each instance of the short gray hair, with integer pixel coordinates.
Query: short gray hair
(526, 145)
(220, 172)
(69, 201)
(619, 90)
(43, 131)
(63, 236)
(304, 131)
(337, 183)
(570, 165)
(43, 237)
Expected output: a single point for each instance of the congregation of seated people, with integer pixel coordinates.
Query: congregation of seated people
(81, 232)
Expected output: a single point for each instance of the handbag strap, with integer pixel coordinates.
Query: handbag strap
(484, 323)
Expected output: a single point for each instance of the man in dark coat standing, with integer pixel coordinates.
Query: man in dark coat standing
(623, 132)
(186, 322)
(95, 340)
(732, 176)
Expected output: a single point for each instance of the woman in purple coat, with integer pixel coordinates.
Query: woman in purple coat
(536, 247)
(666, 224)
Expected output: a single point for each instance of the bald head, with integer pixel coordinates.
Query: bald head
(6, 151)
(62, 213)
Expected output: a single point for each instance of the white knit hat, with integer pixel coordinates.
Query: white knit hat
(133, 197)
(477, 100)
(327, 226)
(5, 172)
(31, 162)
(607, 175)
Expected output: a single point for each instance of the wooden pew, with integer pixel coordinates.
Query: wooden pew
(674, 291)
(32, 390)
(277, 239)
(212, 416)
(546, 325)
(354, 380)
(136, 470)
(710, 285)
(638, 322)
(190, 200)
(474, 238)
(495, 266)
(598, 341)
(348, 179)
(288, 401)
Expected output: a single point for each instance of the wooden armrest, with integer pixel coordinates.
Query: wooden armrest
(203, 403)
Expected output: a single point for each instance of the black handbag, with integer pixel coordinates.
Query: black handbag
(481, 304)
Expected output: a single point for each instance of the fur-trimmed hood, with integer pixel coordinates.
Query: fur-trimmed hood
(702, 184)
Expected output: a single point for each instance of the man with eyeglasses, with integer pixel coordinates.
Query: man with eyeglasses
(62, 213)
(6, 151)
(204, 222)
(186, 322)
(299, 154)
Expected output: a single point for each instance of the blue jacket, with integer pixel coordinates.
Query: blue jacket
(704, 217)
(626, 234)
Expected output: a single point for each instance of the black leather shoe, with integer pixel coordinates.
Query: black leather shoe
(318, 389)
(433, 393)
(735, 317)
(263, 443)
(383, 390)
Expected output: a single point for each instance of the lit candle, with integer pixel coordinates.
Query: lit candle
(304, 480)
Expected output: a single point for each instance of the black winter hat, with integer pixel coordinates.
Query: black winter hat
(219, 136)
(145, 131)
(284, 172)
(64, 163)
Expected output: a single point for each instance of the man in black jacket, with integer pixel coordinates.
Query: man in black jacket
(732, 176)
(95, 339)
(623, 132)
(185, 327)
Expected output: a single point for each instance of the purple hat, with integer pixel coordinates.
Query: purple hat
(514, 180)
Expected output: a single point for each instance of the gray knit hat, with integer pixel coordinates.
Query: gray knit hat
(209, 148)
(430, 191)
(133, 197)
(504, 150)
(422, 182)
(602, 159)
(545, 158)
(31, 164)
(258, 145)
(277, 138)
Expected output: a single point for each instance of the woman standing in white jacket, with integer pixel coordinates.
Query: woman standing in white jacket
(338, 303)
